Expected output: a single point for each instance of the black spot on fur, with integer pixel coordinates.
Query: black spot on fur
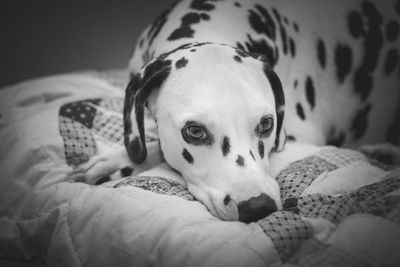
(238, 4)
(336, 139)
(225, 146)
(321, 53)
(310, 92)
(181, 63)
(393, 133)
(126, 171)
(227, 200)
(261, 149)
(343, 60)
(362, 83)
(157, 26)
(290, 138)
(296, 82)
(240, 161)
(392, 59)
(204, 16)
(252, 155)
(262, 22)
(360, 122)
(355, 24)
(102, 180)
(203, 5)
(284, 39)
(192, 50)
(185, 30)
(292, 47)
(296, 27)
(392, 30)
(260, 47)
(237, 58)
(300, 111)
(187, 156)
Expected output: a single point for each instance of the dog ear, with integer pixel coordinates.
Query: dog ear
(279, 96)
(137, 92)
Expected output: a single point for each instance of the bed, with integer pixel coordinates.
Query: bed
(340, 207)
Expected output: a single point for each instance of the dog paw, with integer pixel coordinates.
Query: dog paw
(95, 171)
(387, 153)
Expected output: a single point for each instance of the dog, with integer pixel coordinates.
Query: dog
(225, 83)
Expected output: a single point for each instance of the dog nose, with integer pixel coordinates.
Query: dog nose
(256, 208)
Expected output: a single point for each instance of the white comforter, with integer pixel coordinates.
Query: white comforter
(45, 220)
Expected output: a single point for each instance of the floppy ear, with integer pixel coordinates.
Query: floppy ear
(136, 94)
(279, 96)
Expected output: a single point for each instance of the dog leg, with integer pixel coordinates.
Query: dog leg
(114, 165)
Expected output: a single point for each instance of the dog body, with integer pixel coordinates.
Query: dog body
(207, 71)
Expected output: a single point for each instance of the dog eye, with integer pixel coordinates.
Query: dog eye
(196, 132)
(265, 126)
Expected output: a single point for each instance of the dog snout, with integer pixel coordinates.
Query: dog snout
(256, 208)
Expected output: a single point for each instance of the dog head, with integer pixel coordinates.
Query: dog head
(219, 112)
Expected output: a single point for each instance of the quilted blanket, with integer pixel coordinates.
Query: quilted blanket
(340, 207)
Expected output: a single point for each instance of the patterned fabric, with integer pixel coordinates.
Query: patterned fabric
(81, 121)
(157, 185)
(290, 230)
(287, 231)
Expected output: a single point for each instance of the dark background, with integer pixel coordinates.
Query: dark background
(41, 37)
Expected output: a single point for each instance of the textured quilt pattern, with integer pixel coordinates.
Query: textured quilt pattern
(292, 230)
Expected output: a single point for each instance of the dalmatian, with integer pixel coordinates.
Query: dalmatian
(218, 87)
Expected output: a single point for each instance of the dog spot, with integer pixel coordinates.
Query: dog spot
(362, 83)
(261, 149)
(284, 38)
(360, 122)
(262, 22)
(355, 24)
(126, 171)
(192, 50)
(392, 59)
(157, 25)
(392, 30)
(240, 161)
(321, 53)
(225, 146)
(310, 92)
(296, 82)
(292, 47)
(336, 139)
(238, 4)
(204, 16)
(393, 132)
(241, 52)
(290, 137)
(185, 30)
(343, 59)
(300, 111)
(227, 200)
(296, 27)
(237, 58)
(252, 155)
(187, 156)
(260, 47)
(181, 63)
(203, 5)
(103, 180)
